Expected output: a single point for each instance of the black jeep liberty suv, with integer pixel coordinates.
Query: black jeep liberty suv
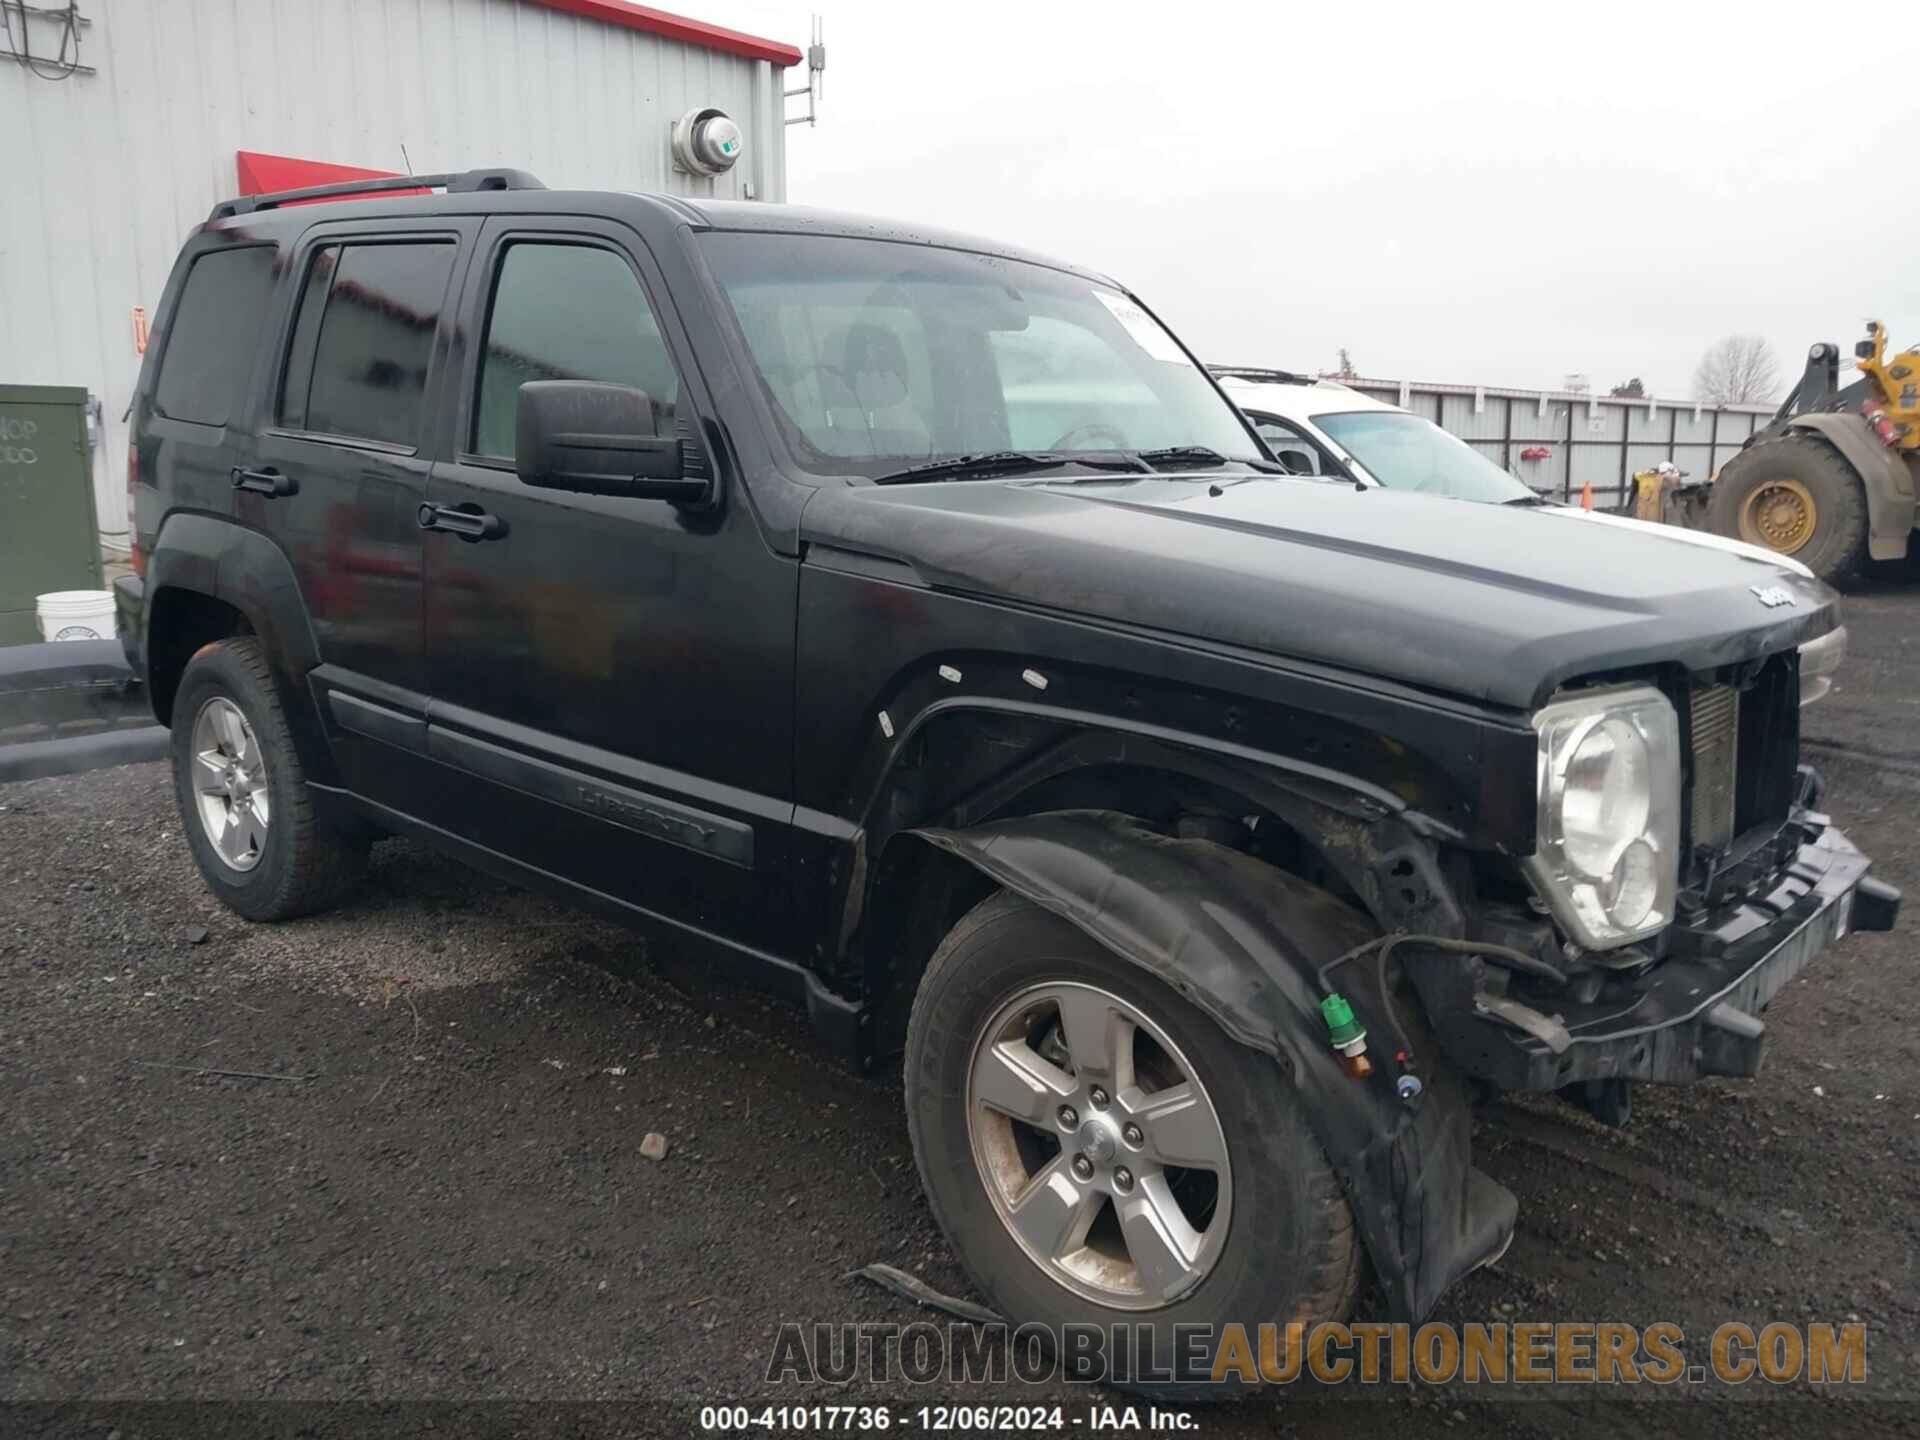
(911, 625)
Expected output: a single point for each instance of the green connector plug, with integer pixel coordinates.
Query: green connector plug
(1348, 1035)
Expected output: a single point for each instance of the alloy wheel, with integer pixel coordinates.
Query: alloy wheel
(1099, 1147)
(230, 783)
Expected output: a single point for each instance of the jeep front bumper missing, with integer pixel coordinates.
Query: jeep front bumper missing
(1697, 1012)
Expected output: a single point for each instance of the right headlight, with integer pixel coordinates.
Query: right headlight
(1607, 854)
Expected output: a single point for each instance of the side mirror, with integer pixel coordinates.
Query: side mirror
(597, 439)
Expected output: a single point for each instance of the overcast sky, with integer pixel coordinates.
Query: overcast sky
(1471, 193)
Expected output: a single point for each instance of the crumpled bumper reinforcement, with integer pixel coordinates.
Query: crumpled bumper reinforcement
(1696, 1013)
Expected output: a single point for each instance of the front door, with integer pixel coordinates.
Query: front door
(611, 678)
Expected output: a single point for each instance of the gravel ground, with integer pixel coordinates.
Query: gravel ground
(440, 1196)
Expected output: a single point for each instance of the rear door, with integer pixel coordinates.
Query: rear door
(341, 470)
(612, 678)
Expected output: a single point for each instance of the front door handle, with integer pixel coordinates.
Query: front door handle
(269, 482)
(468, 524)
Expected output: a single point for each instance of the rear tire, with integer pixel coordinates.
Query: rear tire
(1288, 1250)
(243, 794)
(1798, 496)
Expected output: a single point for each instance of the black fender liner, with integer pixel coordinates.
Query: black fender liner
(1240, 939)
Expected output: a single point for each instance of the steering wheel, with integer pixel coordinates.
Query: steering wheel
(1095, 429)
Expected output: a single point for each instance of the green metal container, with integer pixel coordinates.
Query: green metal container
(49, 528)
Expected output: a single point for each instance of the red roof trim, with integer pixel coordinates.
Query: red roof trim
(678, 27)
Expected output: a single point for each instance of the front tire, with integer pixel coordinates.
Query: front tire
(1798, 496)
(1099, 1151)
(243, 794)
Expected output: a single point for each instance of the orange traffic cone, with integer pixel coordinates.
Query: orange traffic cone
(1586, 496)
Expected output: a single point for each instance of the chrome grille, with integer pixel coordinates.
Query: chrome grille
(1716, 758)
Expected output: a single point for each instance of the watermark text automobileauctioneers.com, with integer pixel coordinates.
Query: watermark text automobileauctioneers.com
(1500, 1353)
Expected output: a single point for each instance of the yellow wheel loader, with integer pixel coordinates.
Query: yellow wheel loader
(1830, 479)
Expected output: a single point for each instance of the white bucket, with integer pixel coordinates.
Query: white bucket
(76, 614)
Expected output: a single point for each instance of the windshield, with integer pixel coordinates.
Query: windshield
(1404, 452)
(878, 355)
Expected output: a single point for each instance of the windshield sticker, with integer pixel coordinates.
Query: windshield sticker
(1146, 331)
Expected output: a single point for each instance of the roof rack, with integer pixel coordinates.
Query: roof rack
(1255, 372)
(464, 182)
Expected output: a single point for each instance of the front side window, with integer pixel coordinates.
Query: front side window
(205, 363)
(877, 355)
(567, 312)
(1288, 445)
(1405, 452)
(363, 340)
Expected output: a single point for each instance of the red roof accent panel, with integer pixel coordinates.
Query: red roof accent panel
(678, 27)
(268, 174)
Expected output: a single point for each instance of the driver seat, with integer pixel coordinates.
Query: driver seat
(876, 374)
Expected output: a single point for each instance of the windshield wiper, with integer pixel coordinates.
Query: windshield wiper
(1181, 455)
(1002, 462)
(1202, 455)
(1530, 500)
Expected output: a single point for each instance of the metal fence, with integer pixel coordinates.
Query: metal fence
(1596, 440)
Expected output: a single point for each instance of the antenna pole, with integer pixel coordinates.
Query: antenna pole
(816, 70)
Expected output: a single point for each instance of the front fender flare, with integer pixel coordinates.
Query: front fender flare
(1240, 939)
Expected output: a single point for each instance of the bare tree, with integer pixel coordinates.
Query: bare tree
(1737, 370)
(1346, 370)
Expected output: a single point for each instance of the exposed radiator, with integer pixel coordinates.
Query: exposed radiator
(1716, 762)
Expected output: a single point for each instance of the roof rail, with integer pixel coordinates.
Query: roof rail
(1255, 372)
(462, 182)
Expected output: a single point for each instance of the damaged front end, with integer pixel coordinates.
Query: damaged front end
(1753, 883)
(1677, 1011)
(1462, 955)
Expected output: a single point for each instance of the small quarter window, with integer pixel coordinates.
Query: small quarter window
(567, 312)
(212, 337)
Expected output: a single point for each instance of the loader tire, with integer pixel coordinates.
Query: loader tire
(1798, 496)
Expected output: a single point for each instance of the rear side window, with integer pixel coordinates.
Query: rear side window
(567, 312)
(210, 343)
(363, 340)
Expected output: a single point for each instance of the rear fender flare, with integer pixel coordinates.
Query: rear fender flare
(1240, 939)
(1884, 474)
(243, 568)
(247, 570)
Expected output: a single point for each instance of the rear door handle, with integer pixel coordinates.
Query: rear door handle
(264, 482)
(467, 524)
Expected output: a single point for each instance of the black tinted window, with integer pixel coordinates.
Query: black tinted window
(364, 340)
(213, 335)
(567, 312)
(306, 329)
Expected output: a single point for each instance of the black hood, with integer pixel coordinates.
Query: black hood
(1496, 603)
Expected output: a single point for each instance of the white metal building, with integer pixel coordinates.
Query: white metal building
(126, 121)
